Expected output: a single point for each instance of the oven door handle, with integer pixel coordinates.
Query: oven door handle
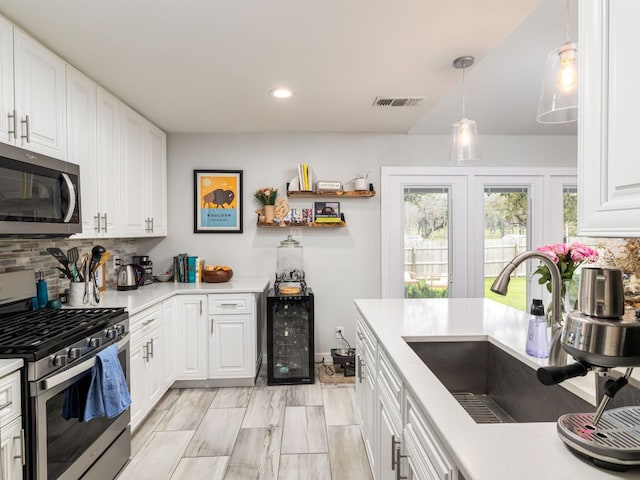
(54, 381)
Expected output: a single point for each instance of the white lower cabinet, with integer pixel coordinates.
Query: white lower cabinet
(192, 341)
(424, 447)
(399, 440)
(147, 363)
(170, 331)
(11, 433)
(366, 395)
(12, 443)
(389, 418)
(232, 331)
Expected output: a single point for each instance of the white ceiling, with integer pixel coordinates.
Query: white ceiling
(207, 66)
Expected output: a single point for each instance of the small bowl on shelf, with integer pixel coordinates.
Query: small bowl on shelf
(163, 277)
(217, 276)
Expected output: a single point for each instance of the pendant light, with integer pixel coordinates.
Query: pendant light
(464, 137)
(559, 95)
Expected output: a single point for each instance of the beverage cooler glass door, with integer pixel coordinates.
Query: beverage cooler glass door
(290, 339)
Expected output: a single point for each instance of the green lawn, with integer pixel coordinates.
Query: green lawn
(516, 296)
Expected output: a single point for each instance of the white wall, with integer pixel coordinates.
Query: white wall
(341, 264)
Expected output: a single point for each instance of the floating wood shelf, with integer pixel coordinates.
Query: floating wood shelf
(359, 194)
(303, 225)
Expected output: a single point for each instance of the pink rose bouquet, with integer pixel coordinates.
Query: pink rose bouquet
(568, 258)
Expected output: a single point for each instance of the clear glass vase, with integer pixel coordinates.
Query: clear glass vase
(568, 301)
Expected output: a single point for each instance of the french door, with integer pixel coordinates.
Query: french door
(446, 232)
(424, 236)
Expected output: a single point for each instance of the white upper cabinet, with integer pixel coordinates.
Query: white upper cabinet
(134, 175)
(7, 122)
(81, 142)
(157, 183)
(108, 165)
(608, 173)
(144, 164)
(39, 93)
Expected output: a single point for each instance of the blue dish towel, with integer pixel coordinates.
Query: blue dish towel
(108, 393)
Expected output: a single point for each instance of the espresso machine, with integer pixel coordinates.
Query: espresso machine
(601, 336)
(145, 262)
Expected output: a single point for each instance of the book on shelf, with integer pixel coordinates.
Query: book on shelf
(187, 268)
(305, 177)
(329, 220)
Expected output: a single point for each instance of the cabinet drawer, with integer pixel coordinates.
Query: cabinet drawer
(435, 455)
(147, 318)
(366, 340)
(389, 381)
(10, 399)
(229, 304)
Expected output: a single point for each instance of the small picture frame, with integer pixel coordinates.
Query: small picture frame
(326, 209)
(217, 201)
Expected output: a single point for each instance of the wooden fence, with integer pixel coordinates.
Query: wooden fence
(428, 259)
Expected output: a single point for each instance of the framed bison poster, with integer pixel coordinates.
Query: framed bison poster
(217, 201)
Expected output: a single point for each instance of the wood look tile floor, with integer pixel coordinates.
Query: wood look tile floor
(262, 432)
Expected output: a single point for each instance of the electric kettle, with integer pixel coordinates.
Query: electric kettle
(130, 276)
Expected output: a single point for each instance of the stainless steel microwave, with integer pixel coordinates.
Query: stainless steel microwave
(39, 195)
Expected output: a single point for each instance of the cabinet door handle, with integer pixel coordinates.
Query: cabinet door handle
(12, 120)
(151, 224)
(5, 405)
(201, 308)
(211, 325)
(360, 365)
(21, 456)
(97, 218)
(145, 349)
(105, 223)
(395, 444)
(151, 349)
(398, 457)
(360, 336)
(26, 136)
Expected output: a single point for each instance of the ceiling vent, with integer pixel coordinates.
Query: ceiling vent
(397, 101)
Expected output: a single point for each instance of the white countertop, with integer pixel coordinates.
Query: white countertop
(137, 300)
(482, 452)
(9, 366)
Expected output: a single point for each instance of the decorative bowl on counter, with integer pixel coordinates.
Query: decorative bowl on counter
(163, 277)
(217, 276)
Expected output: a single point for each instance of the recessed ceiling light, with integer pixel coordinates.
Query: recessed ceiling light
(281, 93)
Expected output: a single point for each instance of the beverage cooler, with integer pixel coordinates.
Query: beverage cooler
(290, 349)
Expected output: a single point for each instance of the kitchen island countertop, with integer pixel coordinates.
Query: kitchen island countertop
(481, 451)
(148, 295)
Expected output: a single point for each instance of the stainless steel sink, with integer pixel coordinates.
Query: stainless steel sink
(494, 387)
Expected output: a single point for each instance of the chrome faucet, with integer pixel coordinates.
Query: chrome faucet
(501, 284)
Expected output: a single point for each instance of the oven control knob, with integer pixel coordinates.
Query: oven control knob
(95, 342)
(121, 329)
(75, 353)
(60, 360)
(112, 333)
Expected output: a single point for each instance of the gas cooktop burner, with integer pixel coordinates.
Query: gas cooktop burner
(40, 332)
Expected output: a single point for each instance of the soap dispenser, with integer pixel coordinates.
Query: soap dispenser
(42, 292)
(537, 339)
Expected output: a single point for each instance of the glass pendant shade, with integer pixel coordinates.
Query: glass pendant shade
(559, 95)
(464, 143)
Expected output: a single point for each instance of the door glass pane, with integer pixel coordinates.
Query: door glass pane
(506, 223)
(426, 242)
(570, 235)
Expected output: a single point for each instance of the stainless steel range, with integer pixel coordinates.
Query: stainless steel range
(59, 348)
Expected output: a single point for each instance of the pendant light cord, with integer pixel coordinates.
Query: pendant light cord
(568, 21)
(464, 115)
